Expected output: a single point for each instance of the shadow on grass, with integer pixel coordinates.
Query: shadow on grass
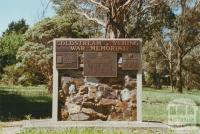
(16, 106)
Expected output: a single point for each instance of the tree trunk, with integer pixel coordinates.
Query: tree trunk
(170, 69)
(179, 84)
(171, 76)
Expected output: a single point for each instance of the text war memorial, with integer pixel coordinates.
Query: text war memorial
(97, 79)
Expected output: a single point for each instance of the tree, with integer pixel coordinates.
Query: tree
(167, 52)
(72, 26)
(175, 43)
(185, 36)
(37, 52)
(19, 27)
(155, 64)
(35, 55)
(11, 40)
(8, 48)
(113, 15)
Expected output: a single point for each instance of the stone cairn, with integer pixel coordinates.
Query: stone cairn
(83, 100)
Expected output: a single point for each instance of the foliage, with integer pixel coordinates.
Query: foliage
(174, 44)
(8, 49)
(127, 19)
(72, 26)
(37, 52)
(37, 56)
(191, 67)
(143, 23)
(18, 27)
(17, 74)
(11, 40)
(10, 43)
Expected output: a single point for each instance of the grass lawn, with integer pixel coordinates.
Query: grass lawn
(155, 103)
(94, 131)
(17, 103)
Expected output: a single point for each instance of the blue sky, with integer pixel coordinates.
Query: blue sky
(30, 10)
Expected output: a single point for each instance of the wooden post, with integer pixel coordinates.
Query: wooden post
(139, 89)
(55, 86)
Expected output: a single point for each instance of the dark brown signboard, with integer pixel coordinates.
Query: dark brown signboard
(130, 61)
(100, 64)
(100, 45)
(67, 60)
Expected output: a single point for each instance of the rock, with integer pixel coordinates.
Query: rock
(133, 96)
(66, 80)
(125, 94)
(61, 95)
(83, 89)
(130, 83)
(72, 89)
(78, 117)
(92, 92)
(117, 87)
(105, 91)
(78, 99)
(127, 115)
(65, 88)
(64, 114)
(78, 82)
(104, 87)
(89, 105)
(134, 93)
(107, 102)
(73, 108)
(110, 95)
(99, 95)
(93, 114)
(115, 116)
(91, 80)
(121, 106)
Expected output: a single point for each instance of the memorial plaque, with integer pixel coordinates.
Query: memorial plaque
(67, 60)
(100, 45)
(130, 61)
(100, 64)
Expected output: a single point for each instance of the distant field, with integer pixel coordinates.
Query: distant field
(17, 103)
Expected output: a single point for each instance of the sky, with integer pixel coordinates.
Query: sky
(30, 10)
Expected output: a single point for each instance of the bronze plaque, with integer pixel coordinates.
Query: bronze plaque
(130, 61)
(100, 64)
(67, 60)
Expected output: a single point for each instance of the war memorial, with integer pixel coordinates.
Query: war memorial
(97, 80)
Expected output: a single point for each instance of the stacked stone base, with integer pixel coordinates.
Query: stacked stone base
(81, 100)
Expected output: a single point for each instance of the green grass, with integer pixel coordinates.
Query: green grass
(94, 131)
(155, 103)
(17, 103)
